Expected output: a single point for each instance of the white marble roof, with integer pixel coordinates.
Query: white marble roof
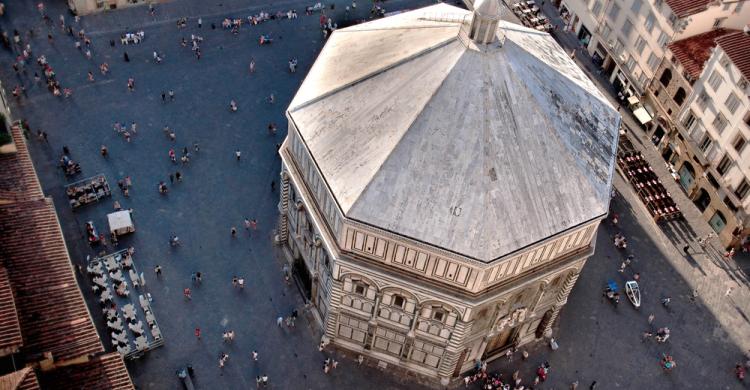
(479, 153)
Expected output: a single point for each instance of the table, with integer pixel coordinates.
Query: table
(106, 296)
(115, 324)
(526, 11)
(111, 263)
(123, 350)
(144, 301)
(530, 2)
(156, 333)
(117, 276)
(141, 343)
(137, 328)
(129, 311)
(95, 268)
(122, 290)
(127, 261)
(150, 319)
(120, 337)
(134, 278)
(100, 281)
(110, 313)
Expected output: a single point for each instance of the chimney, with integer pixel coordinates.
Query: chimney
(484, 21)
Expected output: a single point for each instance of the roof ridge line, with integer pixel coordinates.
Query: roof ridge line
(411, 122)
(372, 74)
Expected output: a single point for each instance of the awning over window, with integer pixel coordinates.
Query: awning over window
(642, 115)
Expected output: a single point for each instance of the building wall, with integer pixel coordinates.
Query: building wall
(410, 304)
(85, 7)
(737, 14)
(723, 135)
(636, 51)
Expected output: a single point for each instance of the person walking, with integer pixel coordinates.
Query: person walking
(254, 224)
(188, 294)
(234, 281)
(104, 151)
(163, 97)
(237, 154)
(91, 77)
(198, 333)
(280, 321)
(255, 356)
(650, 318)
(264, 379)
(157, 271)
(200, 22)
(252, 65)
(234, 232)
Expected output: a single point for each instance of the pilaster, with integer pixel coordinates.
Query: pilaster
(562, 299)
(283, 232)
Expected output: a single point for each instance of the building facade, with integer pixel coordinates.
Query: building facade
(629, 38)
(411, 202)
(85, 7)
(703, 124)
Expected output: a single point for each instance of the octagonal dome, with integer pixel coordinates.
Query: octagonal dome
(479, 151)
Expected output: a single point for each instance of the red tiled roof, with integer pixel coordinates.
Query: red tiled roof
(53, 315)
(10, 329)
(18, 180)
(23, 379)
(683, 8)
(104, 372)
(737, 47)
(693, 52)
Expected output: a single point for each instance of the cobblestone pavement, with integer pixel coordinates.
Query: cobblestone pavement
(598, 342)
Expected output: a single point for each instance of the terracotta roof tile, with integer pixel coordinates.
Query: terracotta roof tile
(53, 315)
(105, 372)
(18, 180)
(23, 379)
(683, 8)
(10, 328)
(693, 52)
(737, 47)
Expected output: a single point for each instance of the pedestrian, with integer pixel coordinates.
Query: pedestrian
(255, 356)
(360, 359)
(574, 385)
(234, 232)
(126, 135)
(238, 154)
(171, 178)
(198, 277)
(241, 282)
(326, 367)
(171, 95)
(247, 224)
(163, 97)
(196, 147)
(187, 293)
(686, 249)
(200, 22)
(258, 382)
(104, 151)
(131, 84)
(254, 224)
(264, 379)
(593, 385)
(178, 176)
(650, 318)
(230, 336)
(91, 77)
(273, 185)
(133, 127)
(126, 57)
(271, 99)
(335, 363)
(157, 270)
(198, 333)
(252, 65)
(729, 291)
(665, 301)
(234, 281)
(280, 322)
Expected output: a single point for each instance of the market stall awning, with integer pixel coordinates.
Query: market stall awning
(120, 222)
(642, 115)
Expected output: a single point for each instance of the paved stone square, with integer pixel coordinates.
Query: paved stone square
(598, 342)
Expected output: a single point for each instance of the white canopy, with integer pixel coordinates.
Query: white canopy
(120, 222)
(642, 115)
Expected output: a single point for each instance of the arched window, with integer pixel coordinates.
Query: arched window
(679, 96)
(666, 77)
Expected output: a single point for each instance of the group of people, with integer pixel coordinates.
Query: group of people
(496, 381)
